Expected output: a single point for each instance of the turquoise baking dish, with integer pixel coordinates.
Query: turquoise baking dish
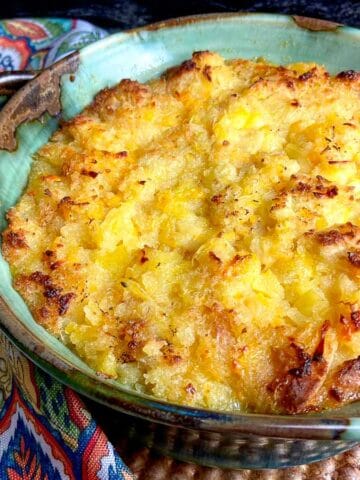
(212, 438)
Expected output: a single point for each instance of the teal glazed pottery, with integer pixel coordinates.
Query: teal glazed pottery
(190, 434)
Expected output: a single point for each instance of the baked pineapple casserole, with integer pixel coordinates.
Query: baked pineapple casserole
(198, 237)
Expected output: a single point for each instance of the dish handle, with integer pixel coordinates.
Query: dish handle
(35, 93)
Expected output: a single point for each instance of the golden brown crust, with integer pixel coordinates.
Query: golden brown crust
(343, 234)
(346, 382)
(15, 239)
(198, 237)
(296, 390)
(54, 301)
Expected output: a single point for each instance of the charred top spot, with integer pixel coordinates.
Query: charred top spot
(355, 319)
(16, 239)
(354, 258)
(296, 389)
(188, 66)
(40, 278)
(342, 233)
(303, 187)
(217, 198)
(66, 201)
(346, 381)
(44, 312)
(127, 357)
(184, 68)
(89, 173)
(319, 187)
(302, 371)
(307, 75)
(56, 265)
(329, 192)
(52, 292)
(169, 355)
(329, 238)
(132, 330)
(207, 72)
(348, 75)
(190, 389)
(64, 302)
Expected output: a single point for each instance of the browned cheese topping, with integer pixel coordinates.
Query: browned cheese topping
(197, 238)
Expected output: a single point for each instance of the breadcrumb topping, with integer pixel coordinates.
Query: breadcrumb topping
(198, 237)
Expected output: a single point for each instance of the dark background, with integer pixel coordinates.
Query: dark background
(131, 13)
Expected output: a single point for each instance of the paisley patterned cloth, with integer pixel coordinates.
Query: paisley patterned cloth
(46, 433)
(31, 44)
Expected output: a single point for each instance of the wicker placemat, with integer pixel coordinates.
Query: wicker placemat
(148, 466)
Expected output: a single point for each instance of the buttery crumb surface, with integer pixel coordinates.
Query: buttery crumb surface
(198, 237)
